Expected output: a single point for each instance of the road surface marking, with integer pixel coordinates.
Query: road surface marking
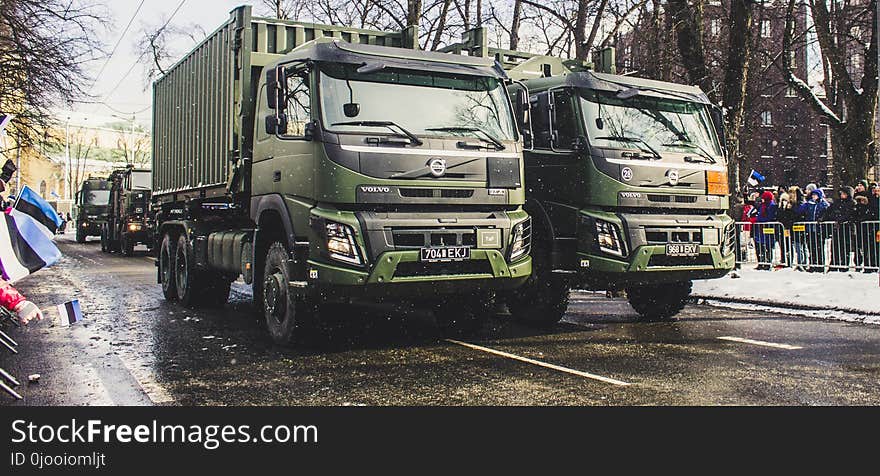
(760, 342)
(539, 363)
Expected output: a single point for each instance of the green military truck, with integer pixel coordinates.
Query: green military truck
(91, 208)
(626, 182)
(325, 164)
(129, 220)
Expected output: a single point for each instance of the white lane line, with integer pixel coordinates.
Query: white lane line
(539, 363)
(760, 342)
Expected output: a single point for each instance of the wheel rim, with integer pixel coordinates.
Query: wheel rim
(275, 297)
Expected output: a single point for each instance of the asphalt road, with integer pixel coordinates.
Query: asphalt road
(133, 348)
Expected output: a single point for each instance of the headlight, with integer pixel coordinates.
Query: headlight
(521, 240)
(340, 243)
(134, 226)
(609, 239)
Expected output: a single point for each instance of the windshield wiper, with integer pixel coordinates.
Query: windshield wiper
(497, 143)
(650, 149)
(702, 152)
(388, 124)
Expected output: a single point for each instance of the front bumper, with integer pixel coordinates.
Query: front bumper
(91, 228)
(646, 261)
(393, 262)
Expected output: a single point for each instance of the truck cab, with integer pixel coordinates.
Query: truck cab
(92, 201)
(129, 222)
(627, 186)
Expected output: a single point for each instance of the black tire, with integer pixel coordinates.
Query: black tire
(104, 247)
(126, 246)
(660, 302)
(80, 235)
(284, 313)
(190, 282)
(166, 267)
(543, 299)
(463, 315)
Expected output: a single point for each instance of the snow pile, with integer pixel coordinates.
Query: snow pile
(849, 292)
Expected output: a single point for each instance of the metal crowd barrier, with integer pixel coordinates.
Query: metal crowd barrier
(810, 246)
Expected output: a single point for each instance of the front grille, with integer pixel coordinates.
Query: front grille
(409, 269)
(657, 198)
(420, 237)
(416, 192)
(436, 193)
(703, 259)
(659, 236)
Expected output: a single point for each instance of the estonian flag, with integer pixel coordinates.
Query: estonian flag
(69, 313)
(24, 247)
(32, 203)
(755, 178)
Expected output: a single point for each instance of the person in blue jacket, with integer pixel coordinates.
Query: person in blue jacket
(813, 211)
(765, 241)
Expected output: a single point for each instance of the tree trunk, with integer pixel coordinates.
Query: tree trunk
(580, 33)
(414, 12)
(441, 25)
(514, 25)
(688, 25)
(735, 79)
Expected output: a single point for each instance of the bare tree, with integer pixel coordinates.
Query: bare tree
(847, 37)
(154, 43)
(45, 46)
(82, 143)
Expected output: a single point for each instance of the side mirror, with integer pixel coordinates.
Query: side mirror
(351, 109)
(272, 87)
(522, 109)
(309, 130)
(718, 122)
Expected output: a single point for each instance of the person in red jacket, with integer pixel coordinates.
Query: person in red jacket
(13, 301)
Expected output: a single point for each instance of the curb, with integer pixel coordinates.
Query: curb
(799, 307)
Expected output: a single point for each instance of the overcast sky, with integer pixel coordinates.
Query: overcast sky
(132, 95)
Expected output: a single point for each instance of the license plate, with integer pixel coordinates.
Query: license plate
(683, 249)
(446, 253)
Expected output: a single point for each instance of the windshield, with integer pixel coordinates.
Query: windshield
(426, 104)
(664, 125)
(96, 197)
(141, 180)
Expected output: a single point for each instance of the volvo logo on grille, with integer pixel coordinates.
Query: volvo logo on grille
(672, 175)
(437, 167)
(626, 174)
(375, 189)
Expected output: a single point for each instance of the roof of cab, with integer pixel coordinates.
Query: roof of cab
(616, 82)
(334, 50)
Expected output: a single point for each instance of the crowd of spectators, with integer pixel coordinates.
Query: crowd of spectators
(807, 230)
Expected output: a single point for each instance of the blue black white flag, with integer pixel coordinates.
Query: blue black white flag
(755, 178)
(24, 246)
(31, 203)
(69, 313)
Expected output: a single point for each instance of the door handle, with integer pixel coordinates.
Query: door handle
(276, 176)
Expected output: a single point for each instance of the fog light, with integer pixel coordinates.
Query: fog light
(521, 239)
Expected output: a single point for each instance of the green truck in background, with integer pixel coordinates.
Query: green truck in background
(325, 164)
(90, 212)
(129, 220)
(626, 182)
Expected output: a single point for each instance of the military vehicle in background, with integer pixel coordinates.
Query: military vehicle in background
(90, 212)
(626, 183)
(325, 164)
(129, 222)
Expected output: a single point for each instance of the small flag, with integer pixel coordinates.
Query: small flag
(755, 178)
(32, 203)
(24, 247)
(4, 120)
(69, 313)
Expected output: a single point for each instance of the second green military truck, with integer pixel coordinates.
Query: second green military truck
(626, 183)
(91, 208)
(325, 164)
(627, 187)
(129, 220)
